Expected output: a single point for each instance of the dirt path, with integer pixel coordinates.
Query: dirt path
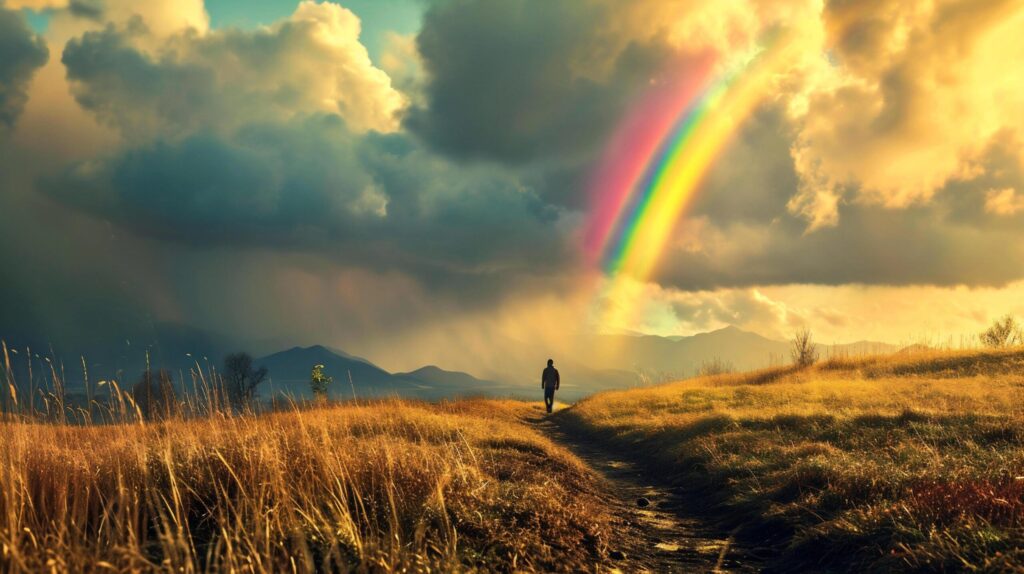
(661, 537)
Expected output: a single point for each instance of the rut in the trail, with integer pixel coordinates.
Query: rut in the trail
(661, 537)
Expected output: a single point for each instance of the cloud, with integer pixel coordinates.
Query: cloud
(873, 245)
(931, 315)
(402, 63)
(524, 79)
(868, 101)
(738, 232)
(283, 138)
(667, 311)
(1003, 201)
(917, 91)
(250, 182)
(35, 4)
(749, 309)
(161, 18)
(217, 81)
(375, 201)
(21, 53)
(278, 181)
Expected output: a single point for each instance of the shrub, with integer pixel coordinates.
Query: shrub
(804, 352)
(1005, 332)
(319, 382)
(715, 366)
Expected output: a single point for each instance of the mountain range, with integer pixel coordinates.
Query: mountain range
(355, 377)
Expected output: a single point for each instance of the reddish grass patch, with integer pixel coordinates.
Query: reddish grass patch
(1000, 503)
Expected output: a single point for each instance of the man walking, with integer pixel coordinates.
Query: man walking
(549, 381)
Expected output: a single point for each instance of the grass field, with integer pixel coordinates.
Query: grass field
(904, 462)
(912, 462)
(396, 486)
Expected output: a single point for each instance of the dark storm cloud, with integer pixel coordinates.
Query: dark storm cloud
(129, 89)
(218, 171)
(89, 9)
(509, 81)
(378, 201)
(21, 53)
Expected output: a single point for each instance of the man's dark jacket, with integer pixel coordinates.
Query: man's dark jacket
(549, 379)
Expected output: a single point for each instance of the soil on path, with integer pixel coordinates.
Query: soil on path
(661, 536)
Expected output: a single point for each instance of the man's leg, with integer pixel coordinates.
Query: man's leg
(549, 399)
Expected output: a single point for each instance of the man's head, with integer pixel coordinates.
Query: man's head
(551, 362)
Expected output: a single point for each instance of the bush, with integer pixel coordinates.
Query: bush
(715, 366)
(804, 352)
(1005, 332)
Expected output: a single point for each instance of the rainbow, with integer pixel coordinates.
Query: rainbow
(655, 163)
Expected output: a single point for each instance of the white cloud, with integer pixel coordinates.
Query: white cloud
(148, 85)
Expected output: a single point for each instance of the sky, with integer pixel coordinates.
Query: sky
(413, 179)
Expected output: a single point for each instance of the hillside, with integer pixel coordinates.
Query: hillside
(392, 486)
(906, 462)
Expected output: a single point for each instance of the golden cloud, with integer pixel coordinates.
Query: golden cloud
(917, 91)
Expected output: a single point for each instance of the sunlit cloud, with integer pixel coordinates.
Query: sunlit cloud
(1004, 201)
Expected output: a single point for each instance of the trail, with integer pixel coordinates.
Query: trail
(662, 537)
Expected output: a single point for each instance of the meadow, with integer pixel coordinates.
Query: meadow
(374, 487)
(907, 462)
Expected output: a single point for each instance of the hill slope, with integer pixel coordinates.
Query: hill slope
(874, 464)
(368, 487)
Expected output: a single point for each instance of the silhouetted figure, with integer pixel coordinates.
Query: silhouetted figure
(550, 381)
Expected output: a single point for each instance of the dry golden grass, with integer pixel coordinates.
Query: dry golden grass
(392, 486)
(909, 462)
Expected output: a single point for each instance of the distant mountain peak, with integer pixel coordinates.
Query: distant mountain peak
(429, 369)
(732, 331)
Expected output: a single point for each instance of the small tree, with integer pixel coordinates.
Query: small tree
(803, 351)
(319, 382)
(154, 395)
(1005, 332)
(241, 379)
